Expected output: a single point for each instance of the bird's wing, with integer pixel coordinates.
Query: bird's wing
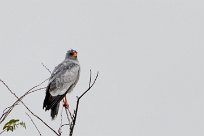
(63, 80)
(63, 77)
(60, 68)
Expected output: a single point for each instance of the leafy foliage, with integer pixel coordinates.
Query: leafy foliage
(13, 124)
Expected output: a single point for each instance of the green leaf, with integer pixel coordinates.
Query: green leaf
(13, 124)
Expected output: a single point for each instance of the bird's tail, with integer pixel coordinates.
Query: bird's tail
(54, 110)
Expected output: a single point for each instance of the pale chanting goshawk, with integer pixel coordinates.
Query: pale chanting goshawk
(62, 81)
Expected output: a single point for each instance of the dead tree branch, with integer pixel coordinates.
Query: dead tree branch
(34, 124)
(46, 68)
(72, 125)
(8, 110)
(28, 108)
(71, 117)
(2, 132)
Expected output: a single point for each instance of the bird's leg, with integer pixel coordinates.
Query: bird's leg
(66, 105)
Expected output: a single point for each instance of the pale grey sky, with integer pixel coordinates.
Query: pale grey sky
(149, 54)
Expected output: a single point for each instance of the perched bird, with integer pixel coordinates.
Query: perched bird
(62, 81)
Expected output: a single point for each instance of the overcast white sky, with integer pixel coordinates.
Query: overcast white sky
(149, 54)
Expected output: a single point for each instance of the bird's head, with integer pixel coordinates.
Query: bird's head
(71, 54)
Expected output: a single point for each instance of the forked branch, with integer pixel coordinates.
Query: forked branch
(74, 116)
(71, 117)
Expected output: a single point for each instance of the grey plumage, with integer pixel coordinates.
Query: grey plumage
(62, 81)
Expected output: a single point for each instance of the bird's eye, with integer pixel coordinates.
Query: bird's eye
(71, 53)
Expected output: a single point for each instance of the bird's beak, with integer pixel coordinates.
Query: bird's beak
(75, 54)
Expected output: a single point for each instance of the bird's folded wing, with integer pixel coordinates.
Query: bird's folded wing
(63, 77)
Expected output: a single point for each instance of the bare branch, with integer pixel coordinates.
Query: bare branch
(70, 114)
(5, 114)
(34, 124)
(72, 125)
(29, 109)
(90, 78)
(40, 119)
(71, 117)
(8, 110)
(2, 132)
(67, 116)
(60, 128)
(46, 68)
(89, 86)
(42, 88)
(64, 125)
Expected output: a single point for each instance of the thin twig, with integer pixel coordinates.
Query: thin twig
(67, 116)
(60, 128)
(74, 120)
(70, 117)
(40, 119)
(89, 87)
(71, 120)
(42, 88)
(90, 78)
(72, 125)
(70, 113)
(64, 125)
(34, 124)
(46, 68)
(29, 109)
(2, 132)
(8, 110)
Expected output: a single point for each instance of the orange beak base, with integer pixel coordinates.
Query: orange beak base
(75, 54)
